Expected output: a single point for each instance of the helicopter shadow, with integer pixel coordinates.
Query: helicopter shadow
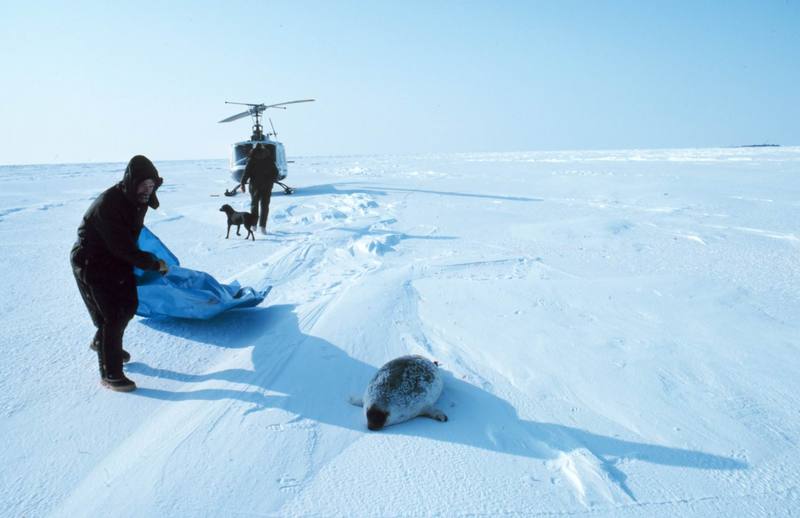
(314, 378)
(495, 197)
(338, 188)
(333, 188)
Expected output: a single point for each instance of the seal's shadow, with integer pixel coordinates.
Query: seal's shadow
(314, 379)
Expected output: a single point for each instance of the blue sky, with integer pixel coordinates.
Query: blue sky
(101, 81)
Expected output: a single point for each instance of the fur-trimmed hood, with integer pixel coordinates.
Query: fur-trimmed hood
(140, 168)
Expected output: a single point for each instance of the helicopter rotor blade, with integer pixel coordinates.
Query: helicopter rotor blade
(237, 116)
(278, 105)
(257, 109)
(243, 104)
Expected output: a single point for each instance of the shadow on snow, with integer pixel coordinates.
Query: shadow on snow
(314, 379)
(343, 188)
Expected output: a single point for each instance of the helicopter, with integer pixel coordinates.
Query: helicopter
(240, 150)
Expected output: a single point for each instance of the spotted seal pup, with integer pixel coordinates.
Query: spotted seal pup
(403, 389)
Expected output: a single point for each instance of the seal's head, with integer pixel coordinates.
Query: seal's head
(376, 418)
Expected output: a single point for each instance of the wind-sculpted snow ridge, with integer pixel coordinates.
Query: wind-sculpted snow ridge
(618, 337)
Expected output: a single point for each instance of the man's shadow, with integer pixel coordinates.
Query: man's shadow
(315, 378)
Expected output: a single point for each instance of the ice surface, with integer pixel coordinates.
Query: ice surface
(618, 331)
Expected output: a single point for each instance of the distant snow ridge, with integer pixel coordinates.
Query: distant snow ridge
(5, 212)
(12, 210)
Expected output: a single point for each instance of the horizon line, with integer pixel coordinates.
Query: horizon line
(412, 154)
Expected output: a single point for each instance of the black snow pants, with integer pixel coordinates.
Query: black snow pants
(259, 199)
(112, 301)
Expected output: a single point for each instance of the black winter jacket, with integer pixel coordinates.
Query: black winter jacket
(261, 169)
(106, 248)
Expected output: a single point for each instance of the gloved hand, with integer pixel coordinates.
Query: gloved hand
(162, 267)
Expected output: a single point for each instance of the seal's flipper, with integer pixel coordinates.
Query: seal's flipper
(357, 401)
(434, 413)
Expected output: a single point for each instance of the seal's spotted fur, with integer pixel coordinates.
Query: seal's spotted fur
(404, 388)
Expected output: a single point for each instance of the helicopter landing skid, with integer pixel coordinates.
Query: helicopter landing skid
(286, 188)
(232, 192)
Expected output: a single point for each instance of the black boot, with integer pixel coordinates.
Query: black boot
(110, 355)
(126, 357)
(115, 381)
(118, 382)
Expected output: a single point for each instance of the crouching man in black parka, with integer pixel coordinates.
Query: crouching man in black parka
(103, 259)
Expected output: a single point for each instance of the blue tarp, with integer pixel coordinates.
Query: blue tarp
(185, 293)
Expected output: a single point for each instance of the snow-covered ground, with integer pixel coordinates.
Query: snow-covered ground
(618, 329)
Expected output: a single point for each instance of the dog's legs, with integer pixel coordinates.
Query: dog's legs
(229, 232)
(238, 227)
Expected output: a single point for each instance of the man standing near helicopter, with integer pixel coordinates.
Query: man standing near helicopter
(262, 172)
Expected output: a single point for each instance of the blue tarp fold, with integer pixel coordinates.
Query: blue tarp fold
(185, 293)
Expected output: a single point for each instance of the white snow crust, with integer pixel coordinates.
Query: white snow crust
(618, 331)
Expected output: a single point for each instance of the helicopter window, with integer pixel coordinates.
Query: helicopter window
(241, 153)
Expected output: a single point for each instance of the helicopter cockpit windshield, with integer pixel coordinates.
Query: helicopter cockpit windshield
(240, 154)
